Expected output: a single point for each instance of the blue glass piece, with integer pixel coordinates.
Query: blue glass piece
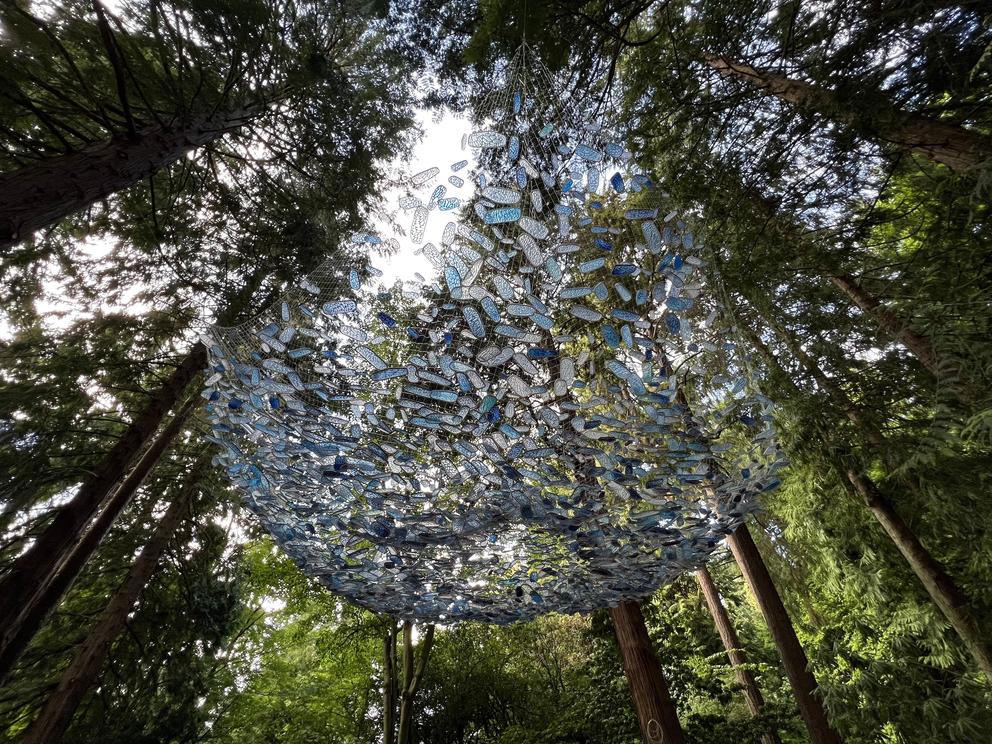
(455, 167)
(585, 313)
(509, 331)
(539, 353)
(542, 321)
(419, 179)
(486, 139)
(672, 322)
(677, 263)
(388, 374)
(446, 205)
(616, 181)
(340, 307)
(574, 292)
(509, 430)
(622, 292)
(386, 320)
(640, 214)
(354, 280)
(513, 151)
(521, 177)
(610, 335)
(501, 215)
(517, 99)
(601, 291)
(474, 321)
(453, 279)
(627, 336)
(624, 269)
(592, 179)
(519, 310)
(589, 153)
(546, 131)
(490, 308)
(567, 186)
(679, 303)
(604, 244)
(625, 315)
(614, 150)
(641, 296)
(593, 265)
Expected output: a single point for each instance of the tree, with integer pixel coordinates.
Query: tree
(91, 655)
(736, 654)
(652, 701)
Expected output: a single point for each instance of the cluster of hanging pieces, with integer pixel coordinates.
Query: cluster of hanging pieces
(557, 421)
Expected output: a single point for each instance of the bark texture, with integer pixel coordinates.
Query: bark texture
(735, 652)
(941, 588)
(83, 671)
(30, 587)
(956, 147)
(39, 195)
(794, 659)
(655, 711)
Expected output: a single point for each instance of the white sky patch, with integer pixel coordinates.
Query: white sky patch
(439, 147)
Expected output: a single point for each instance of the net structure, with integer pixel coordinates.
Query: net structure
(557, 420)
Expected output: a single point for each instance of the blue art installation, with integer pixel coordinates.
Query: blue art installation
(557, 421)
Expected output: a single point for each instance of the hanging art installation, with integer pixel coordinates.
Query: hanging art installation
(557, 421)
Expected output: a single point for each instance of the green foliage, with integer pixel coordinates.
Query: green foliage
(230, 642)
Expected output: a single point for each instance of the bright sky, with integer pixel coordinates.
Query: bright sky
(440, 147)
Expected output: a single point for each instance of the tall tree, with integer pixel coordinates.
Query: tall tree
(794, 659)
(45, 575)
(402, 676)
(655, 711)
(90, 656)
(735, 652)
(96, 105)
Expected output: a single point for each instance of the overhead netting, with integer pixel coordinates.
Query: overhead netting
(558, 420)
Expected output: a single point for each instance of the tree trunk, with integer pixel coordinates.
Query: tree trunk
(412, 677)
(91, 654)
(951, 601)
(655, 711)
(889, 322)
(873, 308)
(39, 195)
(794, 659)
(954, 146)
(33, 585)
(735, 652)
(389, 685)
(930, 572)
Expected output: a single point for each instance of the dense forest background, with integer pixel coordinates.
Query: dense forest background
(838, 158)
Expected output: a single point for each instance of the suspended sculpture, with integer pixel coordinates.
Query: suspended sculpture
(555, 422)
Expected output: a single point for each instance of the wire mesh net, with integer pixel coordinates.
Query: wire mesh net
(557, 420)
